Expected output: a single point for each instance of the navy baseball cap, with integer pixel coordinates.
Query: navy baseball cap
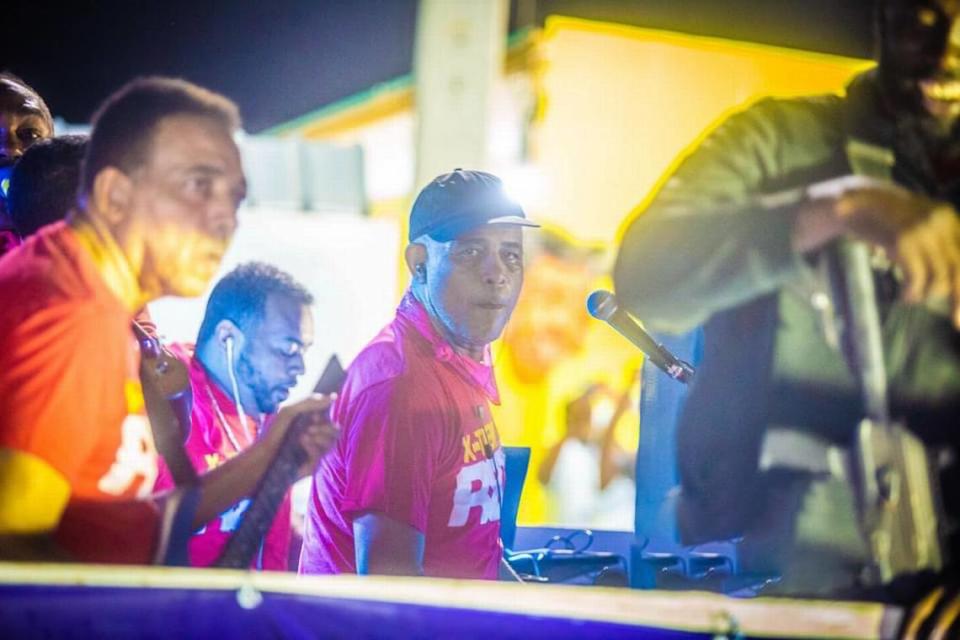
(459, 201)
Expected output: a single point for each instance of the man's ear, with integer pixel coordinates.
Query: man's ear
(112, 195)
(416, 259)
(227, 334)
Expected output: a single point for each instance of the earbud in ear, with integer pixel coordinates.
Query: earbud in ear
(228, 346)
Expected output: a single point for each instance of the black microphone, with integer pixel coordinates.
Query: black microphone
(603, 305)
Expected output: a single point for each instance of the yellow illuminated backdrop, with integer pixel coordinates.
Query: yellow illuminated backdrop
(620, 103)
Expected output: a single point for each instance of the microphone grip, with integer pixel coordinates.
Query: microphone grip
(658, 355)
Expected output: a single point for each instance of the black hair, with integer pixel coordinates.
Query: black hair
(241, 297)
(10, 83)
(123, 126)
(43, 185)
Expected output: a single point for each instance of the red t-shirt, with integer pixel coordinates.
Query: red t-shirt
(71, 391)
(208, 446)
(418, 444)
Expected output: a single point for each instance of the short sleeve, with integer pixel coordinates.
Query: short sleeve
(62, 380)
(392, 443)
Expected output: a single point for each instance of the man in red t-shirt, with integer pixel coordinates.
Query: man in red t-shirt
(248, 356)
(414, 485)
(161, 184)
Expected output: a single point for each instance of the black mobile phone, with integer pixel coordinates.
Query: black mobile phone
(332, 378)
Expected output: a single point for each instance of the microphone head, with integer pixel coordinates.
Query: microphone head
(602, 304)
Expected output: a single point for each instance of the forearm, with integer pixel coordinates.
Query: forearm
(380, 562)
(610, 452)
(385, 546)
(545, 472)
(304, 425)
(232, 481)
(610, 468)
(678, 266)
(720, 231)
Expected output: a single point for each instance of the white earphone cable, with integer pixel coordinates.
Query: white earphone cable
(233, 381)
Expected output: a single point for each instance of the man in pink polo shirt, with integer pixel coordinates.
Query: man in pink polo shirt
(414, 485)
(249, 354)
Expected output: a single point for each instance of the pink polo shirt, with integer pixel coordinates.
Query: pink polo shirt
(209, 445)
(418, 444)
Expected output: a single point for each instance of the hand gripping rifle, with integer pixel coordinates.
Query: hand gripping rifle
(243, 545)
(895, 481)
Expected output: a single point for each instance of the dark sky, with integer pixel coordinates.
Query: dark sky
(280, 59)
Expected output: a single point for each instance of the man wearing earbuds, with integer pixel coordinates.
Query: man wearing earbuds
(161, 184)
(414, 484)
(248, 355)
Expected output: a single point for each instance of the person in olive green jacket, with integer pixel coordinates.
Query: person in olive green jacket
(735, 240)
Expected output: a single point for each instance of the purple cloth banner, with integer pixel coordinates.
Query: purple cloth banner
(68, 612)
